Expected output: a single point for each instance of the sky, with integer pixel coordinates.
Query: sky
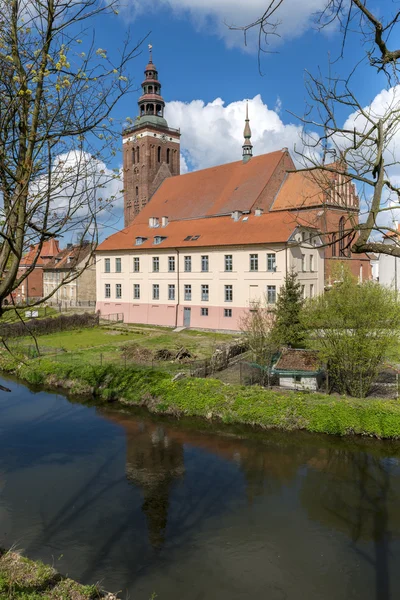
(207, 74)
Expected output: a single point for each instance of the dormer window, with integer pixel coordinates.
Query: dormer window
(140, 240)
(158, 239)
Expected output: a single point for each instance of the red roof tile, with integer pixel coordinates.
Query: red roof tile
(49, 249)
(213, 231)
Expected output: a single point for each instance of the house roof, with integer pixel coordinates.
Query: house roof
(215, 191)
(69, 258)
(49, 249)
(214, 231)
(291, 359)
(303, 189)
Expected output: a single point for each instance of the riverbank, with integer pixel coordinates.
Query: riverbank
(214, 400)
(24, 579)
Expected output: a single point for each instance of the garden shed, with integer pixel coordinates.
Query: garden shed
(298, 369)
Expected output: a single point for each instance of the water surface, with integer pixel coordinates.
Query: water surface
(153, 505)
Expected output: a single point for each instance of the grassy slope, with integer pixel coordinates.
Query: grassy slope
(10, 315)
(210, 398)
(23, 579)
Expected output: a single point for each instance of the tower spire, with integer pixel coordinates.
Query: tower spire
(247, 145)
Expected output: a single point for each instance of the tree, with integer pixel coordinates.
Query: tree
(288, 329)
(362, 149)
(57, 92)
(257, 326)
(354, 327)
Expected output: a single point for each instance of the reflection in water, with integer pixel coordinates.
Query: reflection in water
(152, 505)
(153, 463)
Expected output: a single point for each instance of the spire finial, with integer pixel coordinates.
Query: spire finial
(151, 52)
(247, 145)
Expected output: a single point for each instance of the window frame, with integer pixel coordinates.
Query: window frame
(107, 290)
(156, 264)
(187, 262)
(136, 288)
(118, 261)
(253, 266)
(118, 291)
(270, 289)
(107, 265)
(227, 313)
(136, 262)
(187, 292)
(228, 292)
(228, 262)
(271, 258)
(205, 260)
(205, 293)
(156, 291)
(171, 260)
(204, 311)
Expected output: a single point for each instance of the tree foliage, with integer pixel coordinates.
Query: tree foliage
(257, 328)
(57, 91)
(355, 327)
(288, 329)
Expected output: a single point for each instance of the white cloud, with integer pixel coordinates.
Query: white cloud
(294, 16)
(212, 134)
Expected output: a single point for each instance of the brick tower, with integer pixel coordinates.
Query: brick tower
(150, 147)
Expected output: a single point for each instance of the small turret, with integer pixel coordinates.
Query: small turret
(247, 145)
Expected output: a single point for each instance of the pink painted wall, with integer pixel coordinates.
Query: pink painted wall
(165, 315)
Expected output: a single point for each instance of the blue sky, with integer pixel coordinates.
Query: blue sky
(207, 73)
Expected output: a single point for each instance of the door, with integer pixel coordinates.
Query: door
(186, 316)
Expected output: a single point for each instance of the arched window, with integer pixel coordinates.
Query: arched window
(334, 244)
(137, 193)
(159, 154)
(341, 237)
(133, 156)
(137, 155)
(168, 155)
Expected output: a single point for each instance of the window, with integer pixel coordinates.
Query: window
(227, 312)
(334, 244)
(136, 291)
(107, 291)
(303, 262)
(171, 291)
(228, 262)
(188, 292)
(133, 155)
(311, 290)
(158, 239)
(107, 265)
(204, 263)
(137, 155)
(137, 193)
(271, 262)
(204, 292)
(271, 294)
(303, 291)
(253, 262)
(118, 290)
(156, 291)
(228, 293)
(168, 155)
(156, 264)
(311, 262)
(136, 264)
(188, 263)
(118, 265)
(341, 237)
(159, 154)
(171, 263)
(204, 312)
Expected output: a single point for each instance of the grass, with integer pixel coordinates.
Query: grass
(24, 579)
(212, 399)
(108, 339)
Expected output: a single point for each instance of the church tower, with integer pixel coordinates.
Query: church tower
(150, 147)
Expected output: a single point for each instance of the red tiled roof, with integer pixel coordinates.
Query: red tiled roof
(214, 231)
(49, 249)
(215, 191)
(69, 257)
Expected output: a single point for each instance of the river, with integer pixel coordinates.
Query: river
(186, 511)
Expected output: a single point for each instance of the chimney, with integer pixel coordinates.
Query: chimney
(236, 215)
(164, 221)
(153, 222)
(258, 212)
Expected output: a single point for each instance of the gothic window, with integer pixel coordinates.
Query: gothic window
(137, 193)
(137, 155)
(133, 156)
(334, 244)
(341, 237)
(168, 155)
(159, 154)
(150, 89)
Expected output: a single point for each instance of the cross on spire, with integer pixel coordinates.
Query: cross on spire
(247, 145)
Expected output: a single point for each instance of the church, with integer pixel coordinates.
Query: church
(198, 250)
